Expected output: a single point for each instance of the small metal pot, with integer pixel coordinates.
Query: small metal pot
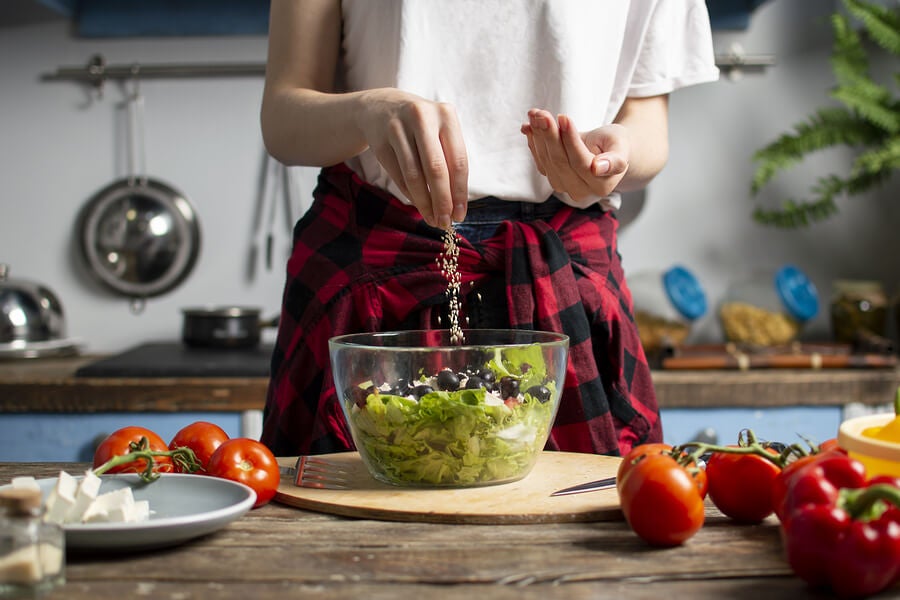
(223, 327)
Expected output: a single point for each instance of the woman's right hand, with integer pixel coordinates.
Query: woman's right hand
(420, 145)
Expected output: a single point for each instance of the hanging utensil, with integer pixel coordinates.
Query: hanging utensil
(139, 236)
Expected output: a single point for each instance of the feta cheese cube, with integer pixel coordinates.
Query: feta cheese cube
(87, 492)
(25, 483)
(113, 507)
(61, 498)
(141, 511)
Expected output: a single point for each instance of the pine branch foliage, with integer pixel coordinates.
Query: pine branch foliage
(868, 120)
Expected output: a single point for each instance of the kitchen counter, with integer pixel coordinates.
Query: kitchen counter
(48, 385)
(282, 552)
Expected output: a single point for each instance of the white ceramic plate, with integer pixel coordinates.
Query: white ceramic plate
(182, 507)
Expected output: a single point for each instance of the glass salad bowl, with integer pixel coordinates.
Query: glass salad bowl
(425, 412)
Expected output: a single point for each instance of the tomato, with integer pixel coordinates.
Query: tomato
(637, 453)
(740, 485)
(119, 442)
(830, 445)
(201, 437)
(249, 462)
(661, 501)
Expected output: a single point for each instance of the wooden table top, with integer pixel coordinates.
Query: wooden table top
(282, 552)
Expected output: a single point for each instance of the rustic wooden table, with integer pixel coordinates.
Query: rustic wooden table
(282, 552)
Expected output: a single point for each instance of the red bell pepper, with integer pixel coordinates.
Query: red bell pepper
(841, 530)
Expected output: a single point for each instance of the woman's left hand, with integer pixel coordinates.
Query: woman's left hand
(582, 165)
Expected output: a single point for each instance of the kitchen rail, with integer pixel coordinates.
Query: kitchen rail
(281, 552)
(97, 72)
(48, 385)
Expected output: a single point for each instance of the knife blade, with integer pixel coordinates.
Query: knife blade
(590, 486)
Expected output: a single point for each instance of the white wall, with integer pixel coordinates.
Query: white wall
(59, 145)
(698, 211)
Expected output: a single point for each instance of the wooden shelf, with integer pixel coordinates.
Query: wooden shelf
(47, 385)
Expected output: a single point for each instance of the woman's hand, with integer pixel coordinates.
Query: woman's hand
(420, 145)
(582, 165)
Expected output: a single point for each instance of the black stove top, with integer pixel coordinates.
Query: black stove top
(174, 359)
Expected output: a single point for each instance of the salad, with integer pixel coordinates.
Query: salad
(486, 424)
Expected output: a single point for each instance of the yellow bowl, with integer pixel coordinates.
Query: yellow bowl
(880, 457)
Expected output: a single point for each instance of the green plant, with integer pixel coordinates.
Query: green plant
(869, 120)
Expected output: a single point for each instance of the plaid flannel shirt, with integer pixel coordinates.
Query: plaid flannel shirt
(364, 261)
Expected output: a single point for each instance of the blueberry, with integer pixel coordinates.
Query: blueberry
(509, 387)
(448, 381)
(422, 389)
(487, 375)
(474, 382)
(541, 392)
(401, 388)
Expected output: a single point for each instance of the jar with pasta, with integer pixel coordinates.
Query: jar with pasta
(768, 309)
(666, 303)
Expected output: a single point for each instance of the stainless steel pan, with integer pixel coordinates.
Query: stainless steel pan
(139, 236)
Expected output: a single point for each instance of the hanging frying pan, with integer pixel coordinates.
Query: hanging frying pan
(139, 236)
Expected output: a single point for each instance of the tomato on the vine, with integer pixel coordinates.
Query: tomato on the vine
(661, 500)
(201, 437)
(740, 485)
(637, 453)
(249, 462)
(120, 442)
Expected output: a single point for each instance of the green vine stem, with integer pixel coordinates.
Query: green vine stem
(183, 458)
(748, 443)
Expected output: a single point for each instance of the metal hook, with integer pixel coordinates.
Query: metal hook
(137, 159)
(96, 71)
(137, 305)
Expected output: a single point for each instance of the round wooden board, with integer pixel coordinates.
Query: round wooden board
(525, 501)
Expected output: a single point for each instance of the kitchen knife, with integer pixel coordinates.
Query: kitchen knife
(591, 486)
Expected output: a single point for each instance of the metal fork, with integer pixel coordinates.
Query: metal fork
(315, 472)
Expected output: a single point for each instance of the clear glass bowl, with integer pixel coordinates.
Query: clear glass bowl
(424, 412)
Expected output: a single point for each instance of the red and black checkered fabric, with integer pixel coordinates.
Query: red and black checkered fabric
(364, 261)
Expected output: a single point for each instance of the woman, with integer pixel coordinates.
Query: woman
(520, 120)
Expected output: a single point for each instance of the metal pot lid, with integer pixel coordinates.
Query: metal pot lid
(140, 237)
(29, 311)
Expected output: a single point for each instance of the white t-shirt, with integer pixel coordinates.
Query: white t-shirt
(496, 59)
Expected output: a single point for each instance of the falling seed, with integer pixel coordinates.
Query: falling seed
(449, 263)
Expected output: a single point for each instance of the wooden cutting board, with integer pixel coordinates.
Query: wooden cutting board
(525, 501)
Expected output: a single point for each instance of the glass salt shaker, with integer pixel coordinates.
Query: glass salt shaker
(32, 551)
(768, 308)
(666, 304)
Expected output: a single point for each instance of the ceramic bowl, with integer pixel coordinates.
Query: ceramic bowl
(880, 457)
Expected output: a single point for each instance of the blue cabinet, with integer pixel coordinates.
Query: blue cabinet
(67, 437)
(784, 424)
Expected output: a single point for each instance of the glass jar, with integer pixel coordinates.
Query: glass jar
(859, 309)
(666, 303)
(32, 551)
(768, 309)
